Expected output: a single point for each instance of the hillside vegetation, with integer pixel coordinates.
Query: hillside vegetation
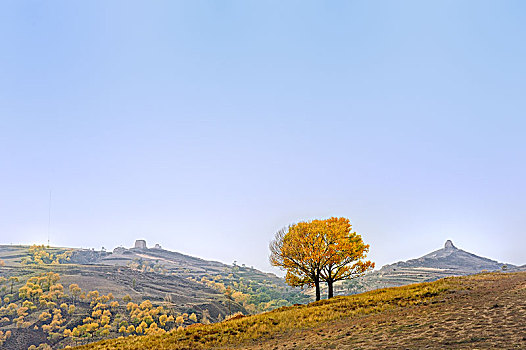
(57, 297)
(487, 310)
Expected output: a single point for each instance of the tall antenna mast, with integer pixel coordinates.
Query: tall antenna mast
(49, 219)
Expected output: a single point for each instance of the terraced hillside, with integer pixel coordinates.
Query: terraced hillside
(484, 311)
(154, 272)
(61, 296)
(445, 262)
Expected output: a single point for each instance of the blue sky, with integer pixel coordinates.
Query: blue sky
(206, 126)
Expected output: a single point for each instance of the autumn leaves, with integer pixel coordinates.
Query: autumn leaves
(319, 251)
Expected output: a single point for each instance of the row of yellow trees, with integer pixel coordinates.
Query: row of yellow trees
(39, 255)
(41, 304)
(320, 251)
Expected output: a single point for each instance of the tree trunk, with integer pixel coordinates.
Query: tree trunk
(330, 285)
(317, 285)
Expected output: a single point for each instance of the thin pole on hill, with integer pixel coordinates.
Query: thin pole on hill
(49, 219)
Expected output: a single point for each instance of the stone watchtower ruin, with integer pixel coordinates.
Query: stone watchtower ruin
(140, 244)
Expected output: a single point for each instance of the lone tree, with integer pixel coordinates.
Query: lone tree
(319, 250)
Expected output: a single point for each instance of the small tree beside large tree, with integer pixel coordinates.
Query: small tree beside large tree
(320, 250)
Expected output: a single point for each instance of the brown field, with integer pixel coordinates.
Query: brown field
(486, 311)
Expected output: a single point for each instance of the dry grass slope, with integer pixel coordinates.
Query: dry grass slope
(485, 311)
(253, 330)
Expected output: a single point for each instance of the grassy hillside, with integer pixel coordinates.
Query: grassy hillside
(483, 311)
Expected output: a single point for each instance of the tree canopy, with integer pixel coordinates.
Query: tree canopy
(320, 250)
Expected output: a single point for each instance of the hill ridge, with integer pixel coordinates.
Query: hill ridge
(440, 263)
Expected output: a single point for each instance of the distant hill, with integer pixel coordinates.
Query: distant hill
(152, 273)
(485, 311)
(445, 262)
(144, 290)
(182, 285)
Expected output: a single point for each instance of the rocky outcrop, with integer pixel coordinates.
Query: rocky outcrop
(445, 262)
(449, 245)
(119, 250)
(87, 256)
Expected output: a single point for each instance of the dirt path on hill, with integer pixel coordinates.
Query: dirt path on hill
(487, 313)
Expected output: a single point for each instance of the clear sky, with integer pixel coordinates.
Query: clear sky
(206, 126)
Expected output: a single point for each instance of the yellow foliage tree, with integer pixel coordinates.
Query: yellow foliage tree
(146, 305)
(299, 250)
(162, 320)
(320, 250)
(346, 253)
(104, 320)
(93, 296)
(44, 316)
(75, 291)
